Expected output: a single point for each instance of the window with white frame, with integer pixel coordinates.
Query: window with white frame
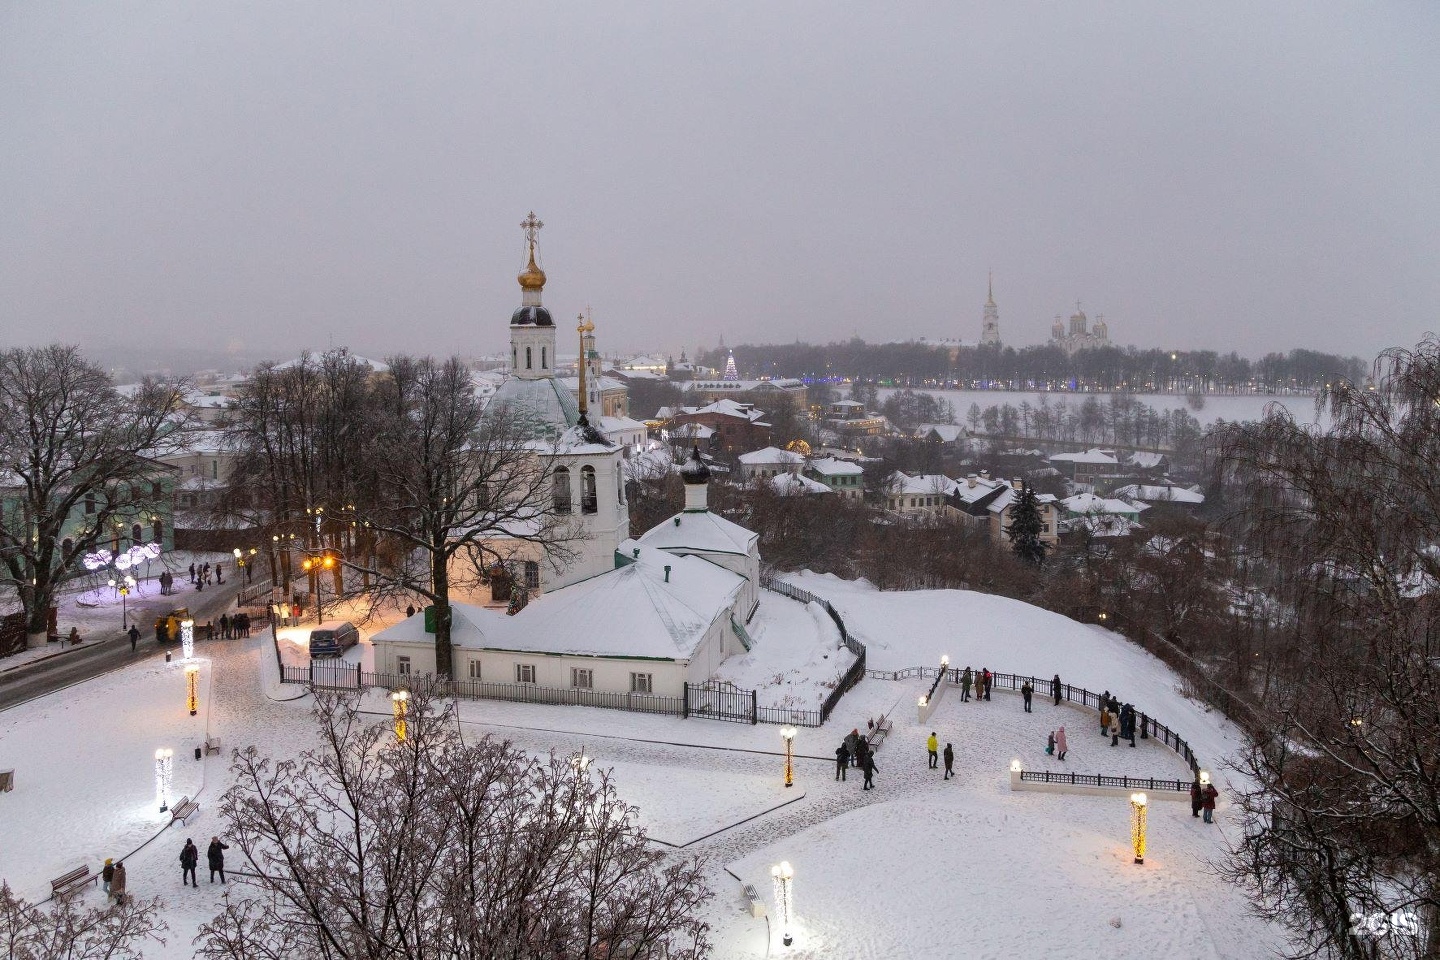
(524, 673)
(642, 682)
(474, 670)
(402, 666)
(582, 678)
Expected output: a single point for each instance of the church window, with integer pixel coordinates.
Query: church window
(514, 357)
(527, 357)
(543, 361)
(89, 503)
(642, 683)
(620, 486)
(402, 666)
(136, 533)
(532, 575)
(66, 546)
(524, 673)
(560, 486)
(589, 499)
(582, 678)
(474, 670)
(499, 584)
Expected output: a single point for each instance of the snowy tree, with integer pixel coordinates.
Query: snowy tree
(80, 464)
(1026, 526)
(66, 931)
(432, 848)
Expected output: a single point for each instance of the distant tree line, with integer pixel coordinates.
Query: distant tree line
(1043, 367)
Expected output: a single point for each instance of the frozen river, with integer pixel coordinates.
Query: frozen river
(1216, 407)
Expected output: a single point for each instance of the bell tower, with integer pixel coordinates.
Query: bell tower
(532, 331)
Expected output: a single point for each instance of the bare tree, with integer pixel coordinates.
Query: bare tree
(78, 457)
(1343, 825)
(68, 932)
(431, 847)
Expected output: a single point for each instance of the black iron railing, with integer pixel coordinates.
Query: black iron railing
(1105, 780)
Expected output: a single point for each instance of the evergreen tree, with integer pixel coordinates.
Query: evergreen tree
(1026, 526)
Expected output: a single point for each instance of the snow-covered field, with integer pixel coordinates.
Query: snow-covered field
(919, 867)
(1215, 407)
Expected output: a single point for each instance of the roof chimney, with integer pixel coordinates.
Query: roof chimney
(970, 481)
(1017, 483)
(697, 479)
(985, 474)
(667, 573)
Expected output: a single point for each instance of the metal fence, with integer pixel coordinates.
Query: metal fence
(1104, 780)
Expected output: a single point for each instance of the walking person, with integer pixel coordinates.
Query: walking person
(189, 857)
(1207, 801)
(117, 884)
(966, 679)
(842, 761)
(220, 573)
(949, 762)
(1128, 715)
(1027, 692)
(1060, 744)
(134, 635)
(1055, 689)
(215, 856)
(107, 873)
(868, 765)
(852, 745)
(192, 573)
(1050, 745)
(933, 746)
(224, 627)
(1197, 797)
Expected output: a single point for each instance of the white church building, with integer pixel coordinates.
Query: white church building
(613, 614)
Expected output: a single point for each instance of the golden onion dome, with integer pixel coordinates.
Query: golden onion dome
(532, 277)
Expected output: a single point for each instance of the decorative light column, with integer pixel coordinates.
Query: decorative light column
(400, 702)
(783, 878)
(787, 733)
(187, 639)
(192, 687)
(1137, 825)
(164, 767)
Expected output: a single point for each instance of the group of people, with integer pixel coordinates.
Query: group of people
(167, 583)
(200, 576)
(1202, 798)
(214, 858)
(856, 751)
(932, 746)
(982, 682)
(287, 613)
(1117, 721)
(236, 627)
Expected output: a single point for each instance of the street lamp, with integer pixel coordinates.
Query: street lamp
(123, 585)
(164, 766)
(787, 733)
(1137, 825)
(187, 638)
(783, 876)
(192, 687)
(400, 703)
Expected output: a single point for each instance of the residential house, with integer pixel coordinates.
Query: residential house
(926, 495)
(841, 476)
(769, 462)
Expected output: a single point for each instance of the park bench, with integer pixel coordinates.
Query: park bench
(212, 745)
(753, 903)
(881, 731)
(70, 881)
(183, 810)
(7, 781)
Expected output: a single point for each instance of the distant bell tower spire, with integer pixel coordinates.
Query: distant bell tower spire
(990, 326)
(532, 331)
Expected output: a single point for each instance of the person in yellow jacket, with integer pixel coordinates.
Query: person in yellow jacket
(933, 745)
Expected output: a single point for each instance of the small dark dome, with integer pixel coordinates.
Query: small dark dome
(531, 316)
(694, 469)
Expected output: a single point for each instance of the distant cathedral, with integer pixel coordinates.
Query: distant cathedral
(1079, 337)
(990, 328)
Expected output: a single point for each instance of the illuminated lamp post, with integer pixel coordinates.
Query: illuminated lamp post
(783, 877)
(1137, 825)
(192, 687)
(400, 703)
(187, 639)
(164, 763)
(124, 586)
(787, 733)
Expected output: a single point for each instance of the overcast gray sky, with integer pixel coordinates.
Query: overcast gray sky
(271, 176)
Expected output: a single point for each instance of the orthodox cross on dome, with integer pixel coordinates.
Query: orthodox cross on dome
(532, 226)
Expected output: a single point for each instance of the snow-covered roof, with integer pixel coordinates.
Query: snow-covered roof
(692, 431)
(700, 531)
(924, 484)
(724, 407)
(1159, 493)
(611, 425)
(1089, 503)
(947, 432)
(830, 467)
(1093, 455)
(771, 455)
(545, 403)
(1146, 461)
(1007, 496)
(795, 484)
(1103, 525)
(983, 487)
(375, 365)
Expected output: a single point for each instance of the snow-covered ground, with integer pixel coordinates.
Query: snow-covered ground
(918, 867)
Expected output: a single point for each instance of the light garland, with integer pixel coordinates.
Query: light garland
(400, 702)
(788, 732)
(1137, 825)
(187, 639)
(783, 878)
(164, 775)
(192, 687)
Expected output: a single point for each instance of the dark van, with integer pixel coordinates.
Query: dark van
(333, 638)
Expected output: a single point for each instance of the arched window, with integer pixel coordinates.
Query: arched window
(514, 357)
(543, 361)
(66, 546)
(620, 486)
(527, 357)
(589, 500)
(159, 531)
(560, 486)
(136, 532)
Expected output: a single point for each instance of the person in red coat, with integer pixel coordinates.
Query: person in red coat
(1207, 802)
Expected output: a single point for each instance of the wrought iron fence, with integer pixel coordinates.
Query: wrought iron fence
(721, 700)
(1105, 780)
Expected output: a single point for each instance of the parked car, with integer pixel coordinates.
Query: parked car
(333, 638)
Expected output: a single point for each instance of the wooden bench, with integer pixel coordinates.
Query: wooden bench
(7, 781)
(212, 745)
(70, 881)
(753, 903)
(183, 810)
(881, 731)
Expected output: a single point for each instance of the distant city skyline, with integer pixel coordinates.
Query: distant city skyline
(262, 179)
